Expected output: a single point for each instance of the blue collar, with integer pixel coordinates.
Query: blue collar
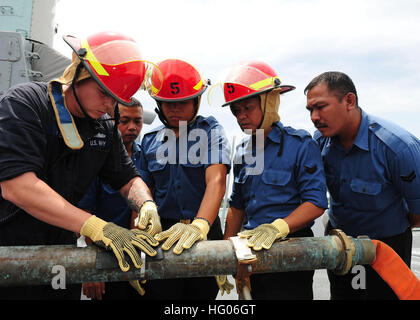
(136, 150)
(362, 138)
(276, 133)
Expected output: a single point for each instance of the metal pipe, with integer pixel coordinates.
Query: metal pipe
(34, 265)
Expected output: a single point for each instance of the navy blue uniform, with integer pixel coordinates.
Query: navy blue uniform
(31, 142)
(177, 175)
(174, 169)
(292, 174)
(373, 187)
(107, 203)
(375, 183)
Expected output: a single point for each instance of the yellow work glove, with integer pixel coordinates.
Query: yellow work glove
(120, 240)
(149, 218)
(185, 234)
(136, 285)
(264, 235)
(224, 284)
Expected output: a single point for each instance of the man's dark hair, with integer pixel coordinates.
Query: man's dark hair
(337, 83)
(136, 103)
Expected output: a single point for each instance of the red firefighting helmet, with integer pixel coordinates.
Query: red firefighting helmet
(113, 60)
(250, 78)
(180, 81)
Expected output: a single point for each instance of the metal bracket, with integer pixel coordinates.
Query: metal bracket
(349, 250)
(246, 262)
(242, 251)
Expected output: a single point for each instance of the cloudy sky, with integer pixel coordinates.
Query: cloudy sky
(375, 42)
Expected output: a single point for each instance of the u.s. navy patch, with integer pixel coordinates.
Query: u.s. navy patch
(99, 142)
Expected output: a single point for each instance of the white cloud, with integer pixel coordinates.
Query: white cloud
(374, 42)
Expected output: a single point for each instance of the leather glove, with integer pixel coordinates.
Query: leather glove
(264, 235)
(136, 285)
(120, 240)
(185, 234)
(224, 284)
(149, 218)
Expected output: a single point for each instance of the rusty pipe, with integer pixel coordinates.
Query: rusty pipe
(34, 265)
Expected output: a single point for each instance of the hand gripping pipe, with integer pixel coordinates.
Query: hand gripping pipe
(34, 265)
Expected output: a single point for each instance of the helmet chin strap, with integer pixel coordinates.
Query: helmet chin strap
(165, 121)
(263, 109)
(162, 117)
(94, 122)
(76, 75)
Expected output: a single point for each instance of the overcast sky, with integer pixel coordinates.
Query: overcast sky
(375, 42)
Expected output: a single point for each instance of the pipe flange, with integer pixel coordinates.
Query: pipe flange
(349, 250)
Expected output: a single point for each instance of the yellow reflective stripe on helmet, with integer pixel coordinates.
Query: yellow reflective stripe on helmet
(93, 61)
(263, 83)
(198, 85)
(154, 89)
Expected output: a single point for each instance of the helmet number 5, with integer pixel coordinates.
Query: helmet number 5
(175, 87)
(231, 88)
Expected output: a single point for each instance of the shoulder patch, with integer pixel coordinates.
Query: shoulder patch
(410, 177)
(311, 170)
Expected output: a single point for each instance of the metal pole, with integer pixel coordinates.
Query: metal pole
(33, 265)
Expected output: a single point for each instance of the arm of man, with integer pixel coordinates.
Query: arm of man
(312, 190)
(215, 190)
(140, 200)
(302, 215)
(405, 172)
(38, 199)
(188, 234)
(265, 234)
(136, 192)
(234, 220)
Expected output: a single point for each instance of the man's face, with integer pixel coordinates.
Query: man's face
(248, 113)
(327, 112)
(178, 111)
(131, 122)
(94, 99)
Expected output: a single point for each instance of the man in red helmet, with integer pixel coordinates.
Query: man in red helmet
(282, 194)
(185, 163)
(56, 138)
